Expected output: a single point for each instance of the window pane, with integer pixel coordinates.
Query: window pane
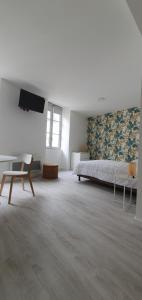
(49, 114)
(55, 140)
(48, 125)
(47, 140)
(56, 127)
(56, 117)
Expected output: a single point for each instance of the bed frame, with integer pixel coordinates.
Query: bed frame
(102, 182)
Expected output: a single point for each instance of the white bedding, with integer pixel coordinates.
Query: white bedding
(106, 170)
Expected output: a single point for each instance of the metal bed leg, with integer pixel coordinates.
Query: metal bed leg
(114, 190)
(124, 197)
(114, 187)
(131, 194)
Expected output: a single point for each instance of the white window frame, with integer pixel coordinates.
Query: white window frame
(53, 108)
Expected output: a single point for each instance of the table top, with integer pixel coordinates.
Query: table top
(7, 158)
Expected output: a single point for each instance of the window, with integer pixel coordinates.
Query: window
(54, 123)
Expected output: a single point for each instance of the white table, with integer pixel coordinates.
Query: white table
(7, 158)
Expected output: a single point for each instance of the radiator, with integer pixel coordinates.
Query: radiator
(35, 167)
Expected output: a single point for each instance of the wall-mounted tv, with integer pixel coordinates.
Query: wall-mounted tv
(29, 101)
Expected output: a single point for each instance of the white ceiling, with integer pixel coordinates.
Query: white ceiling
(73, 51)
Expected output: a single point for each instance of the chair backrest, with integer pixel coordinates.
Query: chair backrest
(26, 158)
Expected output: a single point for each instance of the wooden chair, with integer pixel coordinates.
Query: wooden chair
(26, 160)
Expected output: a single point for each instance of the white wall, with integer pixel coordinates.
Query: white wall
(139, 196)
(78, 131)
(53, 156)
(136, 9)
(20, 131)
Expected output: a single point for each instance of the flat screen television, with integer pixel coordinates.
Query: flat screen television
(29, 101)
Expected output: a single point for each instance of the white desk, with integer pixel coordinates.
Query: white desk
(7, 158)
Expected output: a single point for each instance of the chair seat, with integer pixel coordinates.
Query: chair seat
(14, 173)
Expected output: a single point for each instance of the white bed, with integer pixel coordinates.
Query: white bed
(106, 170)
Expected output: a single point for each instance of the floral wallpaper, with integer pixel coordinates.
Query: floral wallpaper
(114, 135)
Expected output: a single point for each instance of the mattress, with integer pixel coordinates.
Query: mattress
(107, 170)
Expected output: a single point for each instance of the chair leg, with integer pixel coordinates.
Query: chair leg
(2, 184)
(31, 185)
(10, 192)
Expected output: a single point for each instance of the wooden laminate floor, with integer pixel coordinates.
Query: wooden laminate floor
(72, 242)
